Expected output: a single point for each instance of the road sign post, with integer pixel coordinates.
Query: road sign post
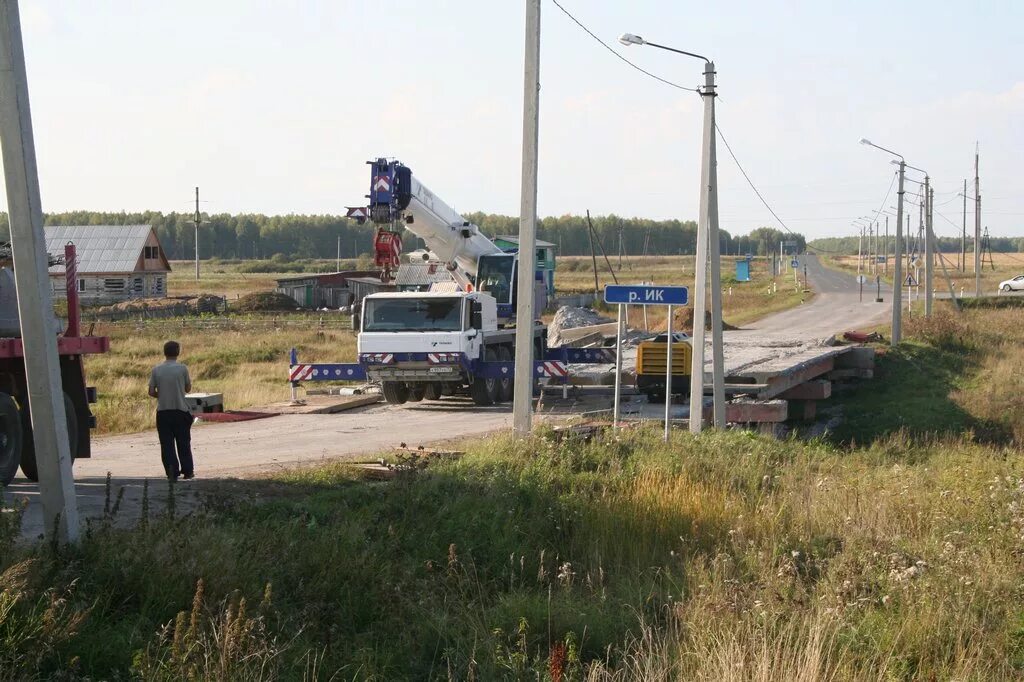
(644, 294)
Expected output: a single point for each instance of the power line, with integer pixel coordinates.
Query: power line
(616, 52)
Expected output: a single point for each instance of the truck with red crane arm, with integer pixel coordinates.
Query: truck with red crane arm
(458, 338)
(17, 447)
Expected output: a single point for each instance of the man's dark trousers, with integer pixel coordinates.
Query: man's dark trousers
(175, 428)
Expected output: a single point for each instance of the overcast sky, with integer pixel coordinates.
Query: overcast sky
(273, 107)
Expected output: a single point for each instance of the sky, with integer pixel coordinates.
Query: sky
(274, 106)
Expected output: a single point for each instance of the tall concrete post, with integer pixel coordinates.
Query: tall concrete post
(717, 351)
(35, 299)
(897, 278)
(700, 277)
(929, 249)
(977, 227)
(522, 418)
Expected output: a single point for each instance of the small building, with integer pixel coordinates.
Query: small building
(545, 257)
(323, 290)
(115, 262)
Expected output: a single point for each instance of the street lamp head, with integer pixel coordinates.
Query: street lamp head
(628, 39)
(865, 140)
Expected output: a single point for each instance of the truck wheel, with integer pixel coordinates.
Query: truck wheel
(11, 435)
(506, 386)
(29, 467)
(395, 392)
(485, 391)
(416, 393)
(432, 391)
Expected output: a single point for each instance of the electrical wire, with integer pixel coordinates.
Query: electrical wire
(617, 53)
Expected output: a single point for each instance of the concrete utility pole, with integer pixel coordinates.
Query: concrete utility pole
(897, 279)
(885, 268)
(35, 299)
(977, 226)
(522, 417)
(707, 239)
(197, 219)
(929, 248)
(963, 237)
(717, 351)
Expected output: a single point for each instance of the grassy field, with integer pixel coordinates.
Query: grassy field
(889, 551)
(1007, 265)
(245, 359)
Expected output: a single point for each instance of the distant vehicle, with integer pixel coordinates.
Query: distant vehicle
(1015, 284)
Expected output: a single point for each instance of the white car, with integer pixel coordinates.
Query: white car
(1015, 284)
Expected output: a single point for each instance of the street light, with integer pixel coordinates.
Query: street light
(897, 290)
(707, 239)
(929, 241)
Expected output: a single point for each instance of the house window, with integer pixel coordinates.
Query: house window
(137, 286)
(151, 252)
(81, 285)
(113, 285)
(157, 286)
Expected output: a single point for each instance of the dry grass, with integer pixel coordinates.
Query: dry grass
(246, 361)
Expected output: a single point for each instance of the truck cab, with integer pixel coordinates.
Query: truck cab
(425, 344)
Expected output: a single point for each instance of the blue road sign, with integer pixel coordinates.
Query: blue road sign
(794, 263)
(642, 294)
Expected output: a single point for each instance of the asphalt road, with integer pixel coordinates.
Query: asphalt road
(253, 447)
(838, 305)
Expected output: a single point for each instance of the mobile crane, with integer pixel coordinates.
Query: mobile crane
(451, 340)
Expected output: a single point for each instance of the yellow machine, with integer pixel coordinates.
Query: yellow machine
(651, 361)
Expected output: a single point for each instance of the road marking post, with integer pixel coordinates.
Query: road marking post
(618, 368)
(668, 373)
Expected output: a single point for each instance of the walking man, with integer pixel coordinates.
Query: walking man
(168, 383)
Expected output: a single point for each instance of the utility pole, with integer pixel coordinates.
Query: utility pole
(707, 240)
(977, 226)
(197, 219)
(860, 254)
(897, 289)
(885, 268)
(717, 351)
(929, 246)
(522, 418)
(35, 298)
(593, 257)
(620, 248)
(963, 237)
(337, 265)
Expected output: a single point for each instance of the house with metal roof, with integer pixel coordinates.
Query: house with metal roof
(115, 262)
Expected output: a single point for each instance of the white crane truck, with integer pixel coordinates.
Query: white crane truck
(456, 339)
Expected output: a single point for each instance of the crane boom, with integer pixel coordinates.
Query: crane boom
(398, 198)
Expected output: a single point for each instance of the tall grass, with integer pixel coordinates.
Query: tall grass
(726, 556)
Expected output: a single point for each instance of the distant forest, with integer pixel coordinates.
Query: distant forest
(256, 236)
(848, 245)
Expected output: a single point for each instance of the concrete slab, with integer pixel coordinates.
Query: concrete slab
(322, 404)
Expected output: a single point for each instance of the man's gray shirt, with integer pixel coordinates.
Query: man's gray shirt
(170, 380)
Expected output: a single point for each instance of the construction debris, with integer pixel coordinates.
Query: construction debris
(569, 317)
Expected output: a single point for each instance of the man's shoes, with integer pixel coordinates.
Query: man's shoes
(188, 477)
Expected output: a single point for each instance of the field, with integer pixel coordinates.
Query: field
(1007, 265)
(888, 551)
(245, 356)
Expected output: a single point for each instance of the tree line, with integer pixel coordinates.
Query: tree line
(256, 236)
(848, 246)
